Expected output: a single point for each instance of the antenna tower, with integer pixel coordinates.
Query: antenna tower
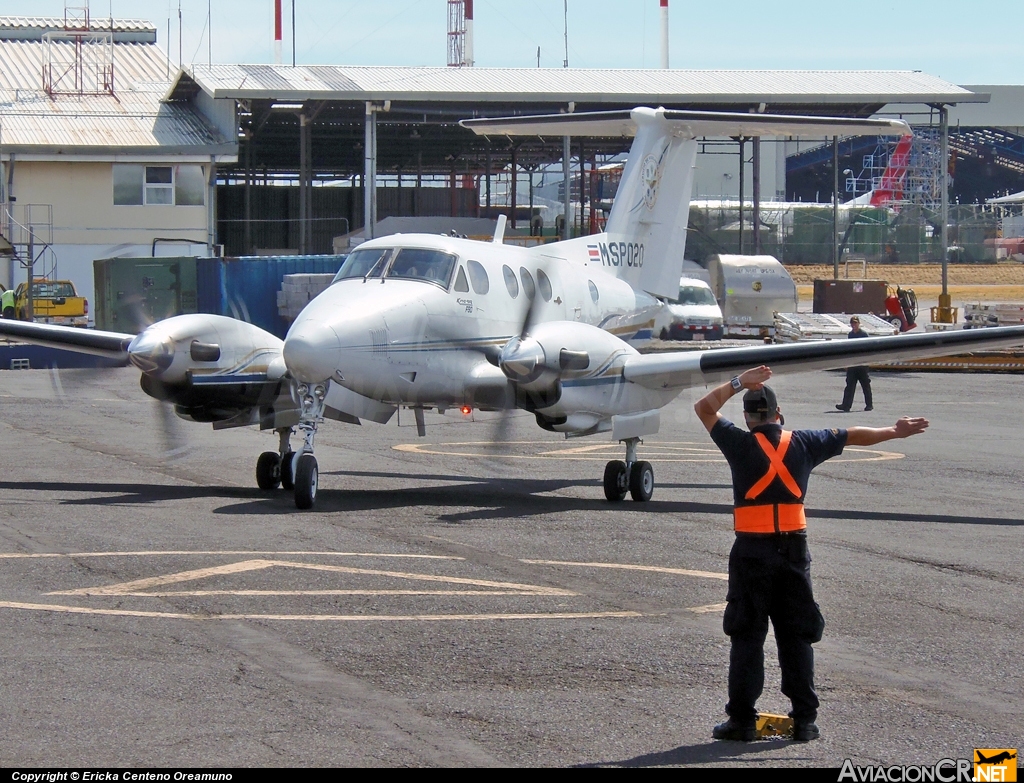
(78, 60)
(456, 33)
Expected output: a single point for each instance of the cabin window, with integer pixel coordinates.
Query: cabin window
(363, 263)
(594, 293)
(431, 266)
(510, 281)
(461, 283)
(544, 285)
(478, 277)
(182, 185)
(528, 287)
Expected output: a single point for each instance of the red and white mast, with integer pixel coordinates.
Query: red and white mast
(664, 33)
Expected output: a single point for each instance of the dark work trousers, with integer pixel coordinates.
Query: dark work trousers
(854, 374)
(770, 577)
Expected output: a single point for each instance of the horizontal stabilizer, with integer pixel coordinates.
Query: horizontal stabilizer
(688, 369)
(70, 338)
(685, 124)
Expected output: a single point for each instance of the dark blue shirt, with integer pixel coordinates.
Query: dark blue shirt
(807, 450)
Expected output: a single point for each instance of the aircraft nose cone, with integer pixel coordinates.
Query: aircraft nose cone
(311, 352)
(151, 351)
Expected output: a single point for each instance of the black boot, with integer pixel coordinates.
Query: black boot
(734, 730)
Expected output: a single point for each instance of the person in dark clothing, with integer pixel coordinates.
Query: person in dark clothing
(770, 566)
(855, 374)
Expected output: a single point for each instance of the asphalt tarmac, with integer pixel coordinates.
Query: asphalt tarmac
(450, 603)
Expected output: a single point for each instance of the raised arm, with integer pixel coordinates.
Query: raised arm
(707, 407)
(869, 436)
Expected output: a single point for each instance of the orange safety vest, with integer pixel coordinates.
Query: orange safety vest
(772, 517)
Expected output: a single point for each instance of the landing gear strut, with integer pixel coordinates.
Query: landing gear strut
(274, 468)
(311, 414)
(634, 476)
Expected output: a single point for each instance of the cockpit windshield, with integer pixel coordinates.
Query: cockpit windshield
(432, 266)
(695, 295)
(363, 263)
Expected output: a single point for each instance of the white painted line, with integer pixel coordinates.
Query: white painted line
(201, 593)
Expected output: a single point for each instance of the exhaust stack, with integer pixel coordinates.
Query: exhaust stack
(468, 59)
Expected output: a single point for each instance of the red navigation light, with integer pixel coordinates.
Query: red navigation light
(466, 410)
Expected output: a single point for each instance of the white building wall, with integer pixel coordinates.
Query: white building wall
(87, 225)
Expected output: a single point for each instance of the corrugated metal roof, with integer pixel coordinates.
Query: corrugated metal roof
(57, 23)
(134, 119)
(574, 84)
(31, 28)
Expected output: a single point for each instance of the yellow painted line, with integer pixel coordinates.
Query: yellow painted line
(256, 565)
(168, 579)
(18, 555)
(707, 609)
(321, 617)
(201, 593)
(631, 567)
(662, 452)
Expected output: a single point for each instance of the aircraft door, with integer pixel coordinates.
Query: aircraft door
(554, 301)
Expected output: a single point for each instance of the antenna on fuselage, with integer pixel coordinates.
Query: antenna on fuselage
(499, 230)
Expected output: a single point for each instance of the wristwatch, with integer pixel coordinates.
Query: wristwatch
(737, 384)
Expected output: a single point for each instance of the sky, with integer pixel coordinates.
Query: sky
(962, 42)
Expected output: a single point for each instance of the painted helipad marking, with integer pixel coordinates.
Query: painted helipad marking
(320, 617)
(143, 588)
(174, 552)
(632, 567)
(673, 451)
(136, 586)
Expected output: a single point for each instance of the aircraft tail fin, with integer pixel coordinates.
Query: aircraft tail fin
(890, 186)
(646, 230)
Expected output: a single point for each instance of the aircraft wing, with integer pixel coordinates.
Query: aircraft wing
(697, 368)
(113, 345)
(690, 124)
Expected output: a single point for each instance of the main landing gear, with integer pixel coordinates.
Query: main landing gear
(634, 476)
(297, 471)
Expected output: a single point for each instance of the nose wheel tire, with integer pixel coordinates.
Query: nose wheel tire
(641, 481)
(306, 476)
(268, 470)
(615, 480)
(286, 471)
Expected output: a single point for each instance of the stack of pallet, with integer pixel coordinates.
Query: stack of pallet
(993, 314)
(804, 327)
(297, 291)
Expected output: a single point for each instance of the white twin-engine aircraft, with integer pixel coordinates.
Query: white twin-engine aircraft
(426, 321)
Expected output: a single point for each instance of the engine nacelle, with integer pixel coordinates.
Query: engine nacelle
(185, 346)
(211, 367)
(562, 350)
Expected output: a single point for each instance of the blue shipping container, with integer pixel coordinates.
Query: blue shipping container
(246, 287)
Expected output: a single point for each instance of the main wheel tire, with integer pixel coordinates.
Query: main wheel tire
(268, 470)
(641, 481)
(287, 481)
(306, 476)
(615, 480)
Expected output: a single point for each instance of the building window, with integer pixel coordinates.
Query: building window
(182, 185)
(159, 185)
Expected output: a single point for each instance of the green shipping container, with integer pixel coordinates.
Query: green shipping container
(132, 293)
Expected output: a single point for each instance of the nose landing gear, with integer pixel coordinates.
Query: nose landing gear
(636, 477)
(311, 414)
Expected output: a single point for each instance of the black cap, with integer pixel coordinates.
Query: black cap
(760, 402)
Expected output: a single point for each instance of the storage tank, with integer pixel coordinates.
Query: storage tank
(750, 290)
